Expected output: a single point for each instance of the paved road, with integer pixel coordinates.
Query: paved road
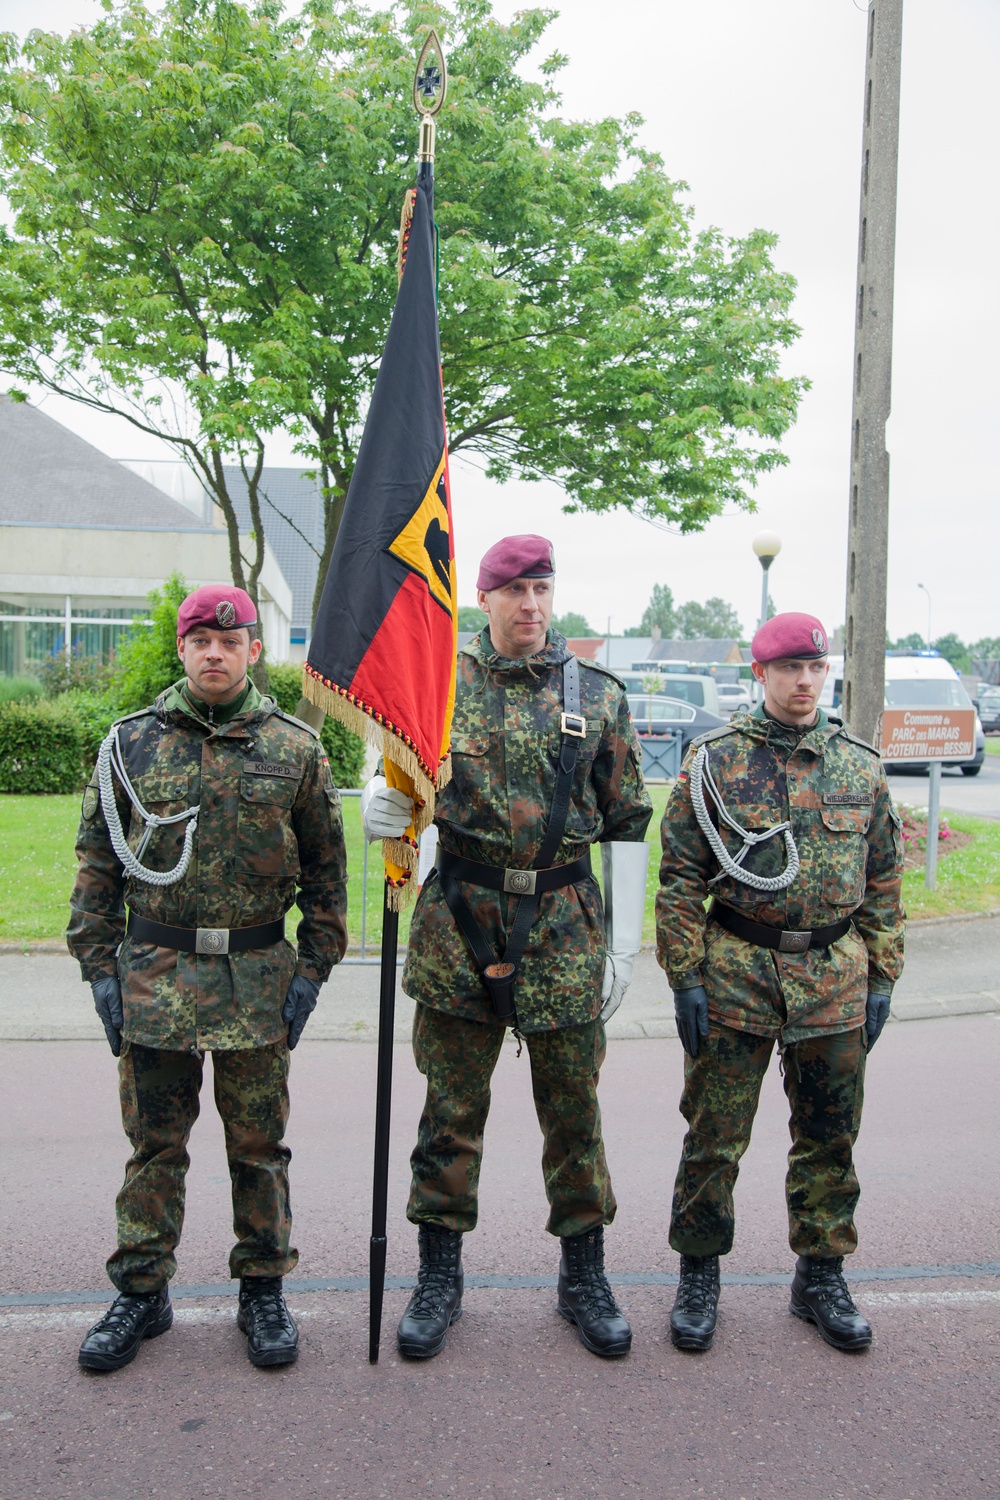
(978, 796)
(514, 1407)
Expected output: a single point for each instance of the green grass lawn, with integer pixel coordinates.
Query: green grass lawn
(37, 866)
(993, 744)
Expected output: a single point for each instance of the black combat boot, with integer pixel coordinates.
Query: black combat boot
(820, 1296)
(586, 1299)
(115, 1340)
(437, 1301)
(272, 1337)
(692, 1321)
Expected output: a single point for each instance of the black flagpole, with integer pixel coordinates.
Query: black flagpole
(383, 1106)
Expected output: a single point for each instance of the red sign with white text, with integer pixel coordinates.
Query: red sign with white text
(928, 734)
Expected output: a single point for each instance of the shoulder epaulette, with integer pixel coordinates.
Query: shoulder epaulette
(279, 713)
(855, 739)
(140, 713)
(598, 666)
(715, 734)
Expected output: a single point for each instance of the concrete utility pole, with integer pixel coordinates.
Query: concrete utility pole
(868, 532)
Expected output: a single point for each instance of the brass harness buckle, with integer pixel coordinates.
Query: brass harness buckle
(575, 725)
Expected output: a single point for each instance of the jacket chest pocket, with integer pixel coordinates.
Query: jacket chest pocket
(164, 796)
(265, 838)
(466, 798)
(845, 854)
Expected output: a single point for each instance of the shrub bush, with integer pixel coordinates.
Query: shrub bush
(95, 713)
(20, 689)
(57, 676)
(344, 750)
(147, 661)
(41, 748)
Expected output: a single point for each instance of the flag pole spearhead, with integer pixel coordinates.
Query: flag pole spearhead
(430, 86)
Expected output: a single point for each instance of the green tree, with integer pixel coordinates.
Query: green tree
(204, 205)
(713, 620)
(470, 617)
(572, 625)
(147, 660)
(659, 614)
(986, 649)
(912, 642)
(955, 651)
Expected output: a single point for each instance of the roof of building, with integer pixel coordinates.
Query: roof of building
(704, 651)
(51, 477)
(291, 512)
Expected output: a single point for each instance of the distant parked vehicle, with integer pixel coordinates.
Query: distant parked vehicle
(923, 679)
(652, 714)
(989, 709)
(689, 687)
(733, 695)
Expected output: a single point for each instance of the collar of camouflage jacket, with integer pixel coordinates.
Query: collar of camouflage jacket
(553, 654)
(255, 709)
(761, 726)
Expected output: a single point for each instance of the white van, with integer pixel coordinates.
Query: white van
(925, 681)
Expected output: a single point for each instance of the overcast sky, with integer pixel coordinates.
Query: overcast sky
(756, 105)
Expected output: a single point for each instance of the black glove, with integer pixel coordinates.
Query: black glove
(108, 1004)
(691, 1010)
(876, 1015)
(300, 1002)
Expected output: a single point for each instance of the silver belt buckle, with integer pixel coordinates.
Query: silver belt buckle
(211, 940)
(575, 725)
(519, 882)
(794, 942)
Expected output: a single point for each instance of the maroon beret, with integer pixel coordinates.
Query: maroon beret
(799, 636)
(217, 605)
(516, 557)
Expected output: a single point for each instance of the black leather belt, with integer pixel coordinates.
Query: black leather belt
(774, 937)
(209, 940)
(513, 882)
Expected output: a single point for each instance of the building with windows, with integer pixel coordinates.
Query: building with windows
(83, 540)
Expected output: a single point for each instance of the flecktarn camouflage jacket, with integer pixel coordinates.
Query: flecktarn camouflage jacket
(269, 833)
(832, 787)
(505, 745)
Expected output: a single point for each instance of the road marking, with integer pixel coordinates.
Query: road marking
(927, 1299)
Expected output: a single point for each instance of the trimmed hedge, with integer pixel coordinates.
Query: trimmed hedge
(41, 748)
(20, 690)
(95, 713)
(344, 750)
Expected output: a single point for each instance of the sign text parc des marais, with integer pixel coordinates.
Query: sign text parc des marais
(928, 734)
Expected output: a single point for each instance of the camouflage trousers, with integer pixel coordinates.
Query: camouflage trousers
(824, 1084)
(159, 1099)
(457, 1057)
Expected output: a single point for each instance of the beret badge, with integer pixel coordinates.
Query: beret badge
(225, 613)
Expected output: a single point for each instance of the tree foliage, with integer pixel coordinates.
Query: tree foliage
(659, 614)
(205, 201)
(470, 617)
(147, 661)
(573, 625)
(713, 620)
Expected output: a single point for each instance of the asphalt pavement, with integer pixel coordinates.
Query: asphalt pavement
(978, 796)
(514, 1407)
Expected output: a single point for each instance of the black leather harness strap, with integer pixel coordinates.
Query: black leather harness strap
(499, 973)
(789, 941)
(208, 940)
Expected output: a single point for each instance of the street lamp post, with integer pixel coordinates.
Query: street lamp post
(767, 545)
(928, 593)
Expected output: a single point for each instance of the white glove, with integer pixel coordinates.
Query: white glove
(386, 812)
(624, 867)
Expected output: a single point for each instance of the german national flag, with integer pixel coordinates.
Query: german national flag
(382, 657)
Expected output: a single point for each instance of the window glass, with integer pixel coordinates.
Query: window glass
(926, 692)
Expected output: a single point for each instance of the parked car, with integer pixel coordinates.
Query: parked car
(989, 709)
(929, 681)
(652, 714)
(690, 687)
(733, 695)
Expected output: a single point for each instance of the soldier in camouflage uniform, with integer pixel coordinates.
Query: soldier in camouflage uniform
(200, 963)
(505, 745)
(801, 946)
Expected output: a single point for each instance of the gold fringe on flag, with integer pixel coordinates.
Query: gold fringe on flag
(404, 768)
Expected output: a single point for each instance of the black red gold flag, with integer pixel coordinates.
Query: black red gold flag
(382, 657)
